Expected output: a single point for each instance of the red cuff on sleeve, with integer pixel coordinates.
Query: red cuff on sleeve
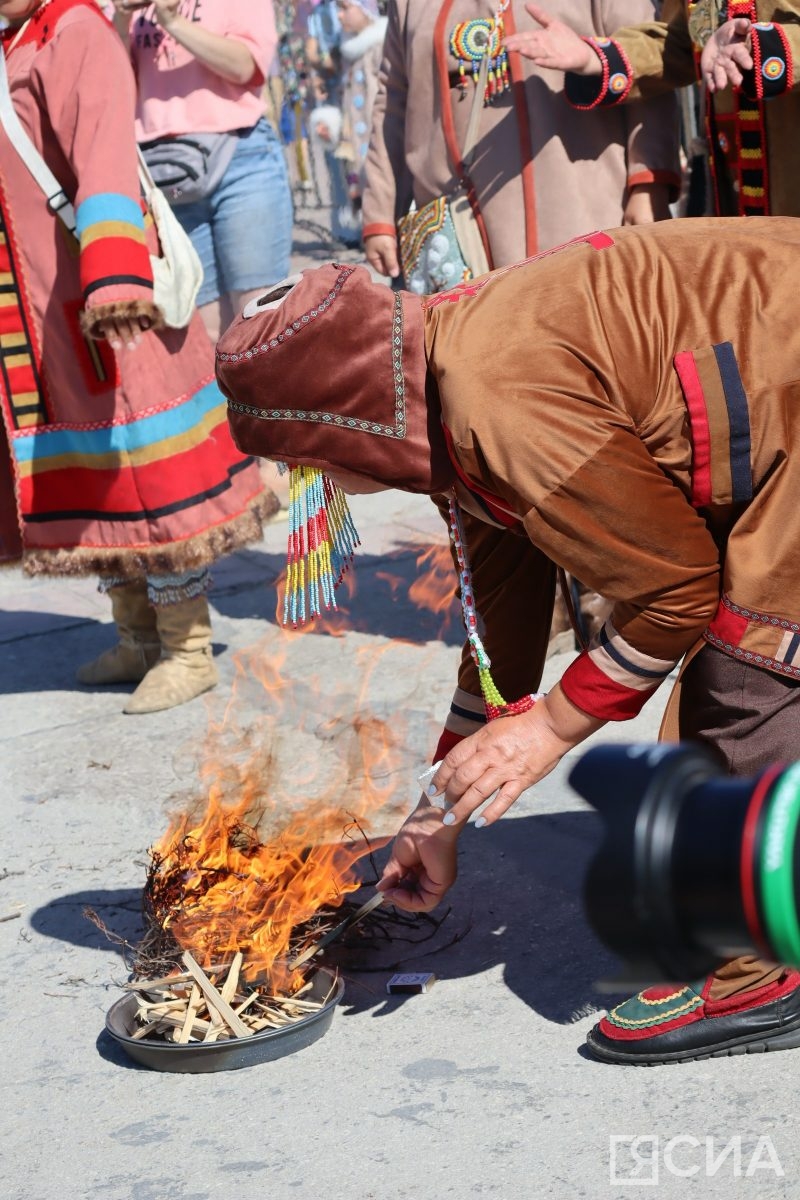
(377, 228)
(446, 743)
(595, 693)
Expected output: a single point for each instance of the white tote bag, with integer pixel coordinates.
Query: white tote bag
(177, 275)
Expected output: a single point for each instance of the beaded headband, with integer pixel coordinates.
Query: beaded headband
(322, 541)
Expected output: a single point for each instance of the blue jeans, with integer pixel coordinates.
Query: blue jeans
(243, 230)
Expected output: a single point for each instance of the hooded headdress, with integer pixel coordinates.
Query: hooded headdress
(327, 369)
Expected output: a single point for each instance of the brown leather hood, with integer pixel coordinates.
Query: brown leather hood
(336, 376)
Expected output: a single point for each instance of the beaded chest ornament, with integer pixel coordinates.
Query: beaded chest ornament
(322, 540)
(473, 41)
(493, 702)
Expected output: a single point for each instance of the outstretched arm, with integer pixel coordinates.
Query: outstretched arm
(555, 46)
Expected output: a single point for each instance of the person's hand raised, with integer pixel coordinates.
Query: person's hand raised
(166, 11)
(726, 54)
(555, 45)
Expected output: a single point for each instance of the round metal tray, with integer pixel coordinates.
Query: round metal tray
(231, 1055)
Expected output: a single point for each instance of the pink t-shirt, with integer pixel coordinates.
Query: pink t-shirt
(177, 93)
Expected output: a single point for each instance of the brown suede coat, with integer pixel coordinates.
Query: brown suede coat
(636, 422)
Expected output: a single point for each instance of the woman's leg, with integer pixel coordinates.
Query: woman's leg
(196, 220)
(252, 218)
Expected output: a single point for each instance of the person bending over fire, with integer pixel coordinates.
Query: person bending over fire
(590, 409)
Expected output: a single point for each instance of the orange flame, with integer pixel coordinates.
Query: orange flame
(433, 589)
(256, 863)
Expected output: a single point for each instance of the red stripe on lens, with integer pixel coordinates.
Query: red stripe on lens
(747, 860)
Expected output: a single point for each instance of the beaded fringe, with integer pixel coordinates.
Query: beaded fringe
(322, 541)
(493, 702)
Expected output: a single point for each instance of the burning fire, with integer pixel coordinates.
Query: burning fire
(248, 863)
(254, 865)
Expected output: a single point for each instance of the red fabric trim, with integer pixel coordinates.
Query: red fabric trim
(686, 368)
(503, 515)
(43, 23)
(670, 178)
(594, 693)
(446, 743)
(746, 861)
(114, 256)
(519, 93)
(789, 60)
(616, 1034)
(728, 626)
(753, 998)
(378, 229)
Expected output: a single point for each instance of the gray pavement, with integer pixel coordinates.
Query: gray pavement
(478, 1089)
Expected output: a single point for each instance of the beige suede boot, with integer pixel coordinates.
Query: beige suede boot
(138, 647)
(186, 668)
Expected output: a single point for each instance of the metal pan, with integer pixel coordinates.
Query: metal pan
(232, 1055)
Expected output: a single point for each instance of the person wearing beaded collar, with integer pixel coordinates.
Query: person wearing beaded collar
(645, 437)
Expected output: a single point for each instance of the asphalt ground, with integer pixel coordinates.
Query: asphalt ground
(479, 1088)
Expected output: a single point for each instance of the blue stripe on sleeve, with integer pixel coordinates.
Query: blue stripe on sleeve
(108, 206)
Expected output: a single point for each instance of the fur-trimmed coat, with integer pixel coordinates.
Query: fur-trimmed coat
(109, 462)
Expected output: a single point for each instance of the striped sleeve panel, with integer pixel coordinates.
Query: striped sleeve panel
(467, 714)
(110, 227)
(613, 680)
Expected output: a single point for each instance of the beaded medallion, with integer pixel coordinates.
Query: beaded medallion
(473, 41)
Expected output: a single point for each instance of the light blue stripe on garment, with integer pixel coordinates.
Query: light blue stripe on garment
(42, 443)
(108, 206)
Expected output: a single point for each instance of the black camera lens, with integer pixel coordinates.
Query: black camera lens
(695, 867)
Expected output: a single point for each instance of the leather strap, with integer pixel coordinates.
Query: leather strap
(448, 124)
(57, 200)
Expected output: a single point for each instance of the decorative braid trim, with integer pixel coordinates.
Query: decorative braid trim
(296, 326)
(398, 430)
(627, 1023)
(752, 614)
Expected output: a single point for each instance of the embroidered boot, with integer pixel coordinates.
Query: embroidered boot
(706, 1019)
(186, 668)
(138, 647)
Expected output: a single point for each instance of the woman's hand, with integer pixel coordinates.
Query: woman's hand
(647, 202)
(507, 756)
(381, 252)
(726, 54)
(166, 11)
(555, 45)
(422, 865)
(120, 332)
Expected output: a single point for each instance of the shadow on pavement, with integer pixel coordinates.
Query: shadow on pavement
(517, 905)
(64, 919)
(380, 595)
